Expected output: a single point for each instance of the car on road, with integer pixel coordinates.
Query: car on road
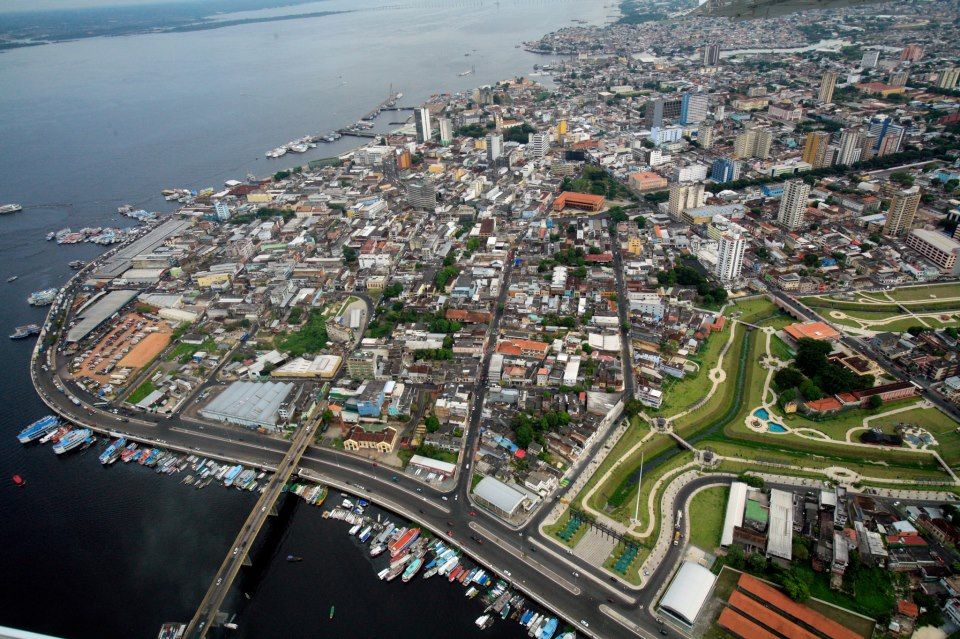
(394, 479)
(444, 498)
(236, 550)
(583, 622)
(219, 581)
(473, 513)
(506, 573)
(576, 574)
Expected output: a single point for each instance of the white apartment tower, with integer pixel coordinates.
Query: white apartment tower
(793, 204)
(424, 125)
(730, 256)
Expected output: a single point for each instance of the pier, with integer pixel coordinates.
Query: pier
(358, 133)
(207, 613)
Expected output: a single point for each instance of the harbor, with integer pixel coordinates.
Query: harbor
(360, 129)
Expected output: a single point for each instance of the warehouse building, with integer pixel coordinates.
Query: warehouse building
(498, 497)
(687, 594)
(90, 318)
(250, 404)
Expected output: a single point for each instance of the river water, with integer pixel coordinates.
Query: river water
(89, 552)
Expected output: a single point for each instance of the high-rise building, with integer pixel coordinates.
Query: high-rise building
(911, 53)
(446, 131)
(422, 194)
(683, 197)
(899, 78)
(494, 147)
(693, 108)
(888, 135)
(753, 143)
(793, 204)
(711, 55)
(828, 82)
(725, 170)
(947, 78)
(869, 59)
(815, 149)
(659, 109)
(730, 256)
(719, 112)
(421, 117)
(903, 208)
(867, 143)
(705, 135)
(538, 144)
(849, 148)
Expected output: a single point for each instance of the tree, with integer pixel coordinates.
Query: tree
(787, 378)
(796, 585)
(757, 563)
(735, 556)
(393, 290)
(349, 254)
(874, 402)
(432, 423)
(811, 259)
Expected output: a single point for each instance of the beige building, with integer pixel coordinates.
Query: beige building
(903, 208)
(753, 143)
(683, 197)
(828, 82)
(793, 204)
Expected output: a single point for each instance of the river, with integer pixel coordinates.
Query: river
(88, 125)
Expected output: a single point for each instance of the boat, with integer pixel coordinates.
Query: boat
(353, 531)
(128, 452)
(27, 330)
(365, 534)
(71, 440)
(472, 592)
(484, 621)
(88, 442)
(403, 541)
(38, 429)
(505, 611)
(547, 630)
(43, 297)
(568, 635)
(19, 481)
(77, 264)
(377, 550)
(6, 209)
(455, 573)
(13, 278)
(331, 612)
(412, 569)
(113, 451)
(294, 558)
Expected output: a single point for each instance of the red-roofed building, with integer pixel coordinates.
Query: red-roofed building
(598, 258)
(582, 201)
(825, 405)
(908, 609)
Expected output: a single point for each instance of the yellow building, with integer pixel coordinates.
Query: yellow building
(206, 280)
(259, 198)
(634, 245)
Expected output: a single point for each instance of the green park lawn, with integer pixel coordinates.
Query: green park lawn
(706, 512)
(681, 394)
(941, 425)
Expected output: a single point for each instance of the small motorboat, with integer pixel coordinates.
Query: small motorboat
(294, 558)
(19, 481)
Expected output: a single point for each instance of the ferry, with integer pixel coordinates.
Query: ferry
(54, 436)
(27, 330)
(6, 209)
(403, 541)
(44, 297)
(38, 429)
(77, 264)
(113, 451)
(71, 440)
(128, 452)
(412, 569)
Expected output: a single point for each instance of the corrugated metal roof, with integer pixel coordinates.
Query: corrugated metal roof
(734, 514)
(780, 530)
(498, 494)
(253, 403)
(688, 592)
